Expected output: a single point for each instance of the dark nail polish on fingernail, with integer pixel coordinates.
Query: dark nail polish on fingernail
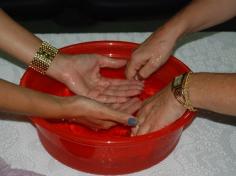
(132, 121)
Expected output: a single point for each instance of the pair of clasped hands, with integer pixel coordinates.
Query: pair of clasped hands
(115, 98)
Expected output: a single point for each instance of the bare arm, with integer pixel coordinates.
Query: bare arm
(77, 108)
(16, 40)
(22, 44)
(202, 14)
(28, 102)
(214, 91)
(198, 15)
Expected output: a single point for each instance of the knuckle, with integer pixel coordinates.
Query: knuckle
(135, 55)
(153, 64)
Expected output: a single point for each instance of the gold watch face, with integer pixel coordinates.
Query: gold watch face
(178, 81)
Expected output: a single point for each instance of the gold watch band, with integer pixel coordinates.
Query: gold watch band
(180, 89)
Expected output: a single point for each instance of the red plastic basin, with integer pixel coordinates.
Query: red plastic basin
(110, 151)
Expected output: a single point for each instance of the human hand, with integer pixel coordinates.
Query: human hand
(96, 115)
(158, 111)
(81, 75)
(130, 106)
(150, 55)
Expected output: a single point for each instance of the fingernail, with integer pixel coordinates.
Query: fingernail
(132, 121)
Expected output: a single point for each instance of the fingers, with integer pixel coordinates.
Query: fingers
(122, 93)
(138, 59)
(110, 99)
(123, 88)
(117, 116)
(151, 54)
(144, 126)
(126, 87)
(150, 67)
(97, 115)
(94, 125)
(111, 95)
(144, 117)
(111, 63)
(131, 109)
(119, 85)
(115, 106)
(134, 65)
(118, 90)
(119, 82)
(144, 67)
(130, 106)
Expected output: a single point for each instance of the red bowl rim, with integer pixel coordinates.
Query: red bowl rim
(179, 124)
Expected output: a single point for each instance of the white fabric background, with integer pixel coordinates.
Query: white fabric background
(206, 148)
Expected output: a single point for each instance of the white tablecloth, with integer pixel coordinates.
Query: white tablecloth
(206, 148)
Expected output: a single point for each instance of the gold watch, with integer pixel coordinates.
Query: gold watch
(180, 89)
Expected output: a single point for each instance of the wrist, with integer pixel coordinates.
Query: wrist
(180, 89)
(56, 110)
(179, 108)
(43, 57)
(61, 107)
(57, 67)
(174, 29)
(70, 105)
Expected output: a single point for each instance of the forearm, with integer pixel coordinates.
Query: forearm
(16, 40)
(215, 92)
(25, 101)
(199, 15)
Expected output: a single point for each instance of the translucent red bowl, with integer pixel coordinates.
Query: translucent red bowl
(110, 151)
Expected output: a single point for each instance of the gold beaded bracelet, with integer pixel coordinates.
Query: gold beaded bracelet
(188, 102)
(43, 58)
(180, 89)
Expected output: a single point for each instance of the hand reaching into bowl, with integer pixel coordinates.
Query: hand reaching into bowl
(150, 55)
(100, 116)
(73, 108)
(195, 90)
(81, 74)
(158, 111)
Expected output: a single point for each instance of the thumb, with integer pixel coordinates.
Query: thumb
(117, 116)
(111, 63)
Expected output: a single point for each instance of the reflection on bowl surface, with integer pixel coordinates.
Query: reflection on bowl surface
(110, 151)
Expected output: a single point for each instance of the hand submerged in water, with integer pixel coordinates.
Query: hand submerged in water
(158, 111)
